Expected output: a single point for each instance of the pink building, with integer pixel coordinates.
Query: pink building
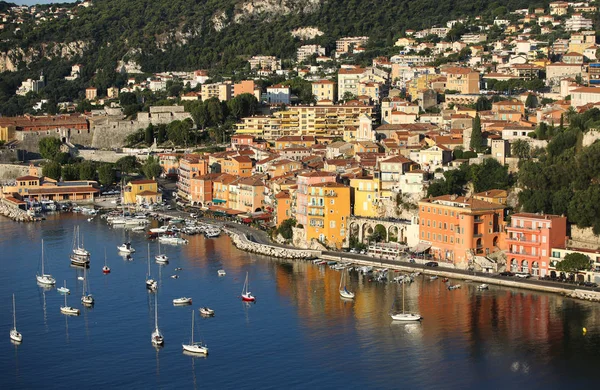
(304, 181)
(530, 238)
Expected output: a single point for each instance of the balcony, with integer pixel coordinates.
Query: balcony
(478, 220)
(330, 194)
(313, 214)
(477, 235)
(522, 228)
(315, 206)
(517, 240)
(523, 254)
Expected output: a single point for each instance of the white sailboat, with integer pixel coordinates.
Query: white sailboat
(15, 335)
(150, 283)
(66, 309)
(126, 248)
(405, 316)
(344, 293)
(86, 299)
(161, 257)
(195, 347)
(45, 279)
(64, 289)
(247, 295)
(79, 249)
(157, 337)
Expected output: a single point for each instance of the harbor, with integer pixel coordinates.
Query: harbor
(298, 316)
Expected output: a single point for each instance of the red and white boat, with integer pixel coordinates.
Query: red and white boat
(247, 295)
(105, 269)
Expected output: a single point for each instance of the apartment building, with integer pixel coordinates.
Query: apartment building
(530, 238)
(328, 213)
(190, 166)
(457, 228)
(305, 51)
(348, 44)
(265, 62)
(463, 80)
(324, 90)
(348, 81)
(221, 91)
(304, 181)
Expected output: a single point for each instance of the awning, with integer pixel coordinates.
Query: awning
(421, 247)
(219, 201)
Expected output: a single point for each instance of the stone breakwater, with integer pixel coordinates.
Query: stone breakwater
(14, 213)
(242, 242)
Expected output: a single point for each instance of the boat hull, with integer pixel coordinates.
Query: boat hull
(16, 336)
(46, 280)
(196, 349)
(406, 317)
(248, 298)
(346, 294)
(69, 310)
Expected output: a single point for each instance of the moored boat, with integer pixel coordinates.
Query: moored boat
(206, 311)
(247, 295)
(344, 292)
(195, 347)
(15, 335)
(483, 287)
(43, 278)
(182, 301)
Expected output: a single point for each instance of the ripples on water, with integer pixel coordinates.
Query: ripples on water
(299, 334)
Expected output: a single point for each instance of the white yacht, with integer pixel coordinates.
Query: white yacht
(15, 335)
(66, 309)
(211, 233)
(195, 347)
(344, 293)
(182, 301)
(45, 279)
(151, 284)
(161, 257)
(126, 248)
(157, 337)
(78, 248)
(86, 299)
(405, 316)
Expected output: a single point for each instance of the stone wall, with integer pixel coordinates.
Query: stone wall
(11, 155)
(29, 140)
(9, 172)
(241, 242)
(584, 238)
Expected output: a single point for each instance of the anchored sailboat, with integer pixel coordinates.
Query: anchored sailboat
(405, 316)
(150, 283)
(66, 309)
(45, 279)
(161, 257)
(15, 335)
(195, 347)
(86, 299)
(157, 337)
(247, 295)
(344, 293)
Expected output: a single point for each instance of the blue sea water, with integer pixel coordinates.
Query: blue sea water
(299, 333)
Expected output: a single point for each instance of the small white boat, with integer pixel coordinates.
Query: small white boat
(178, 269)
(81, 261)
(433, 277)
(212, 233)
(195, 347)
(174, 276)
(161, 257)
(172, 240)
(157, 337)
(138, 229)
(454, 287)
(86, 299)
(66, 309)
(64, 289)
(162, 229)
(106, 268)
(45, 279)
(15, 335)
(182, 301)
(126, 248)
(221, 272)
(78, 248)
(247, 295)
(344, 293)
(80, 278)
(483, 287)
(151, 284)
(206, 311)
(405, 316)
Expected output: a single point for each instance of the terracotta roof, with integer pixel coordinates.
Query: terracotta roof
(147, 193)
(62, 190)
(285, 194)
(28, 178)
(473, 205)
(144, 182)
(491, 193)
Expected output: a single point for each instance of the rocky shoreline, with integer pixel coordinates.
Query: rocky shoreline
(15, 214)
(241, 242)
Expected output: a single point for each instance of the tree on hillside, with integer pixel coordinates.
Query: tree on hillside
(152, 168)
(127, 164)
(70, 172)
(573, 262)
(531, 101)
(379, 234)
(162, 134)
(476, 143)
(149, 134)
(285, 229)
(106, 175)
(489, 175)
(179, 132)
(87, 171)
(521, 149)
(49, 147)
(52, 170)
(483, 104)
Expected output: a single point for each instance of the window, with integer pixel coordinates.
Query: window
(445, 238)
(332, 201)
(434, 224)
(451, 239)
(445, 226)
(422, 234)
(332, 224)
(544, 239)
(452, 213)
(428, 236)
(543, 252)
(428, 223)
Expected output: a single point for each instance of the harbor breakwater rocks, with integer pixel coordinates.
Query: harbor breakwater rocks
(14, 213)
(242, 242)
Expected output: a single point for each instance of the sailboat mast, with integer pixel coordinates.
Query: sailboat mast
(42, 257)
(403, 297)
(84, 281)
(14, 314)
(156, 311)
(192, 327)
(148, 260)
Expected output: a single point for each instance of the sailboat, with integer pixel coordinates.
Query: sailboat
(344, 293)
(405, 316)
(79, 249)
(86, 299)
(105, 269)
(150, 283)
(161, 257)
(157, 337)
(68, 309)
(247, 295)
(14, 333)
(64, 289)
(45, 279)
(195, 347)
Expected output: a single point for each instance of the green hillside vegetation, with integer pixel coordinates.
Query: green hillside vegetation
(114, 27)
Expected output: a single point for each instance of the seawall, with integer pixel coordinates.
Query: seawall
(241, 242)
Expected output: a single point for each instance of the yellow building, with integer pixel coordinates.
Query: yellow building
(492, 196)
(463, 80)
(7, 133)
(367, 192)
(328, 213)
(323, 90)
(141, 192)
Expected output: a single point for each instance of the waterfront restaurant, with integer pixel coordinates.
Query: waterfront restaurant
(33, 188)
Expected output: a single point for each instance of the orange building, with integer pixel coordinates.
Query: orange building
(33, 188)
(284, 203)
(282, 167)
(169, 162)
(240, 166)
(201, 189)
(530, 238)
(457, 228)
(190, 166)
(328, 213)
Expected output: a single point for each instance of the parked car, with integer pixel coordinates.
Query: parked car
(431, 264)
(506, 273)
(522, 275)
(352, 250)
(411, 260)
(363, 252)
